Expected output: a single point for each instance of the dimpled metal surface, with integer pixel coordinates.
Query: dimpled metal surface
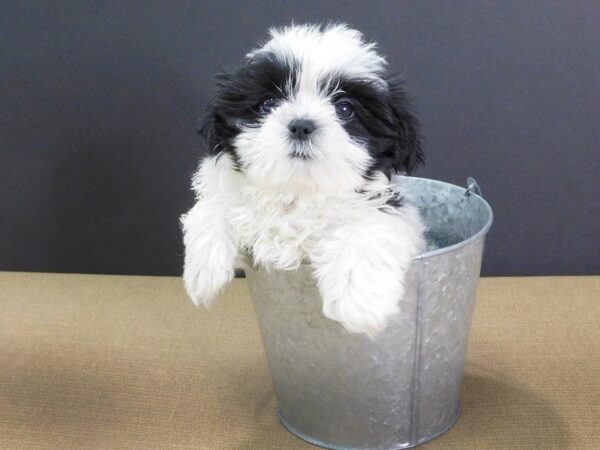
(345, 391)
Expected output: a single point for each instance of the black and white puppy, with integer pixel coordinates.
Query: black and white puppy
(303, 140)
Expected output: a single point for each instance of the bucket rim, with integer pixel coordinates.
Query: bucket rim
(450, 248)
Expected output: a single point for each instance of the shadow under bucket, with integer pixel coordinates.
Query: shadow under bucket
(344, 391)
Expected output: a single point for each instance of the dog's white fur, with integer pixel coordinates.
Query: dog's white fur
(286, 211)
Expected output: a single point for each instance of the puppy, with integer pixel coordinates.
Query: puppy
(303, 140)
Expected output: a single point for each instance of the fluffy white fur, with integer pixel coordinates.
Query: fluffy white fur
(286, 211)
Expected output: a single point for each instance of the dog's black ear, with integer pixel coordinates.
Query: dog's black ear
(209, 127)
(409, 153)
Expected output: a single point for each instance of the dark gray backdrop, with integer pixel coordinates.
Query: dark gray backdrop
(98, 103)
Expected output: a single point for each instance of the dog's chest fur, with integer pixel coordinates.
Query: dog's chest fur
(279, 230)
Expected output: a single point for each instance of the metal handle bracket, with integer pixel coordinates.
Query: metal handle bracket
(472, 187)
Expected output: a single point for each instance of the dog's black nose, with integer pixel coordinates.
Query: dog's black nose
(301, 129)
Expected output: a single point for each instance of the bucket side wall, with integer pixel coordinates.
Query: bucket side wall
(447, 297)
(335, 388)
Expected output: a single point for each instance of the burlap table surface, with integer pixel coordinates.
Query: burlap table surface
(125, 362)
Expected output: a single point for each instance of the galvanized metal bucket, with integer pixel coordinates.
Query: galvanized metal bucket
(345, 391)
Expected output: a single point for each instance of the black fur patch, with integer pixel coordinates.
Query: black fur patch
(396, 199)
(383, 122)
(238, 97)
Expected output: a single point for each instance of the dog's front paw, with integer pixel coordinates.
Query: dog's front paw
(203, 283)
(365, 310)
(358, 317)
(210, 252)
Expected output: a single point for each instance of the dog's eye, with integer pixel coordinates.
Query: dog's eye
(267, 105)
(344, 109)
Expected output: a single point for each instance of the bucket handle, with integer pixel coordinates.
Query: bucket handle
(472, 187)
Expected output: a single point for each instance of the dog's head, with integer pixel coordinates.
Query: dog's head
(313, 109)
